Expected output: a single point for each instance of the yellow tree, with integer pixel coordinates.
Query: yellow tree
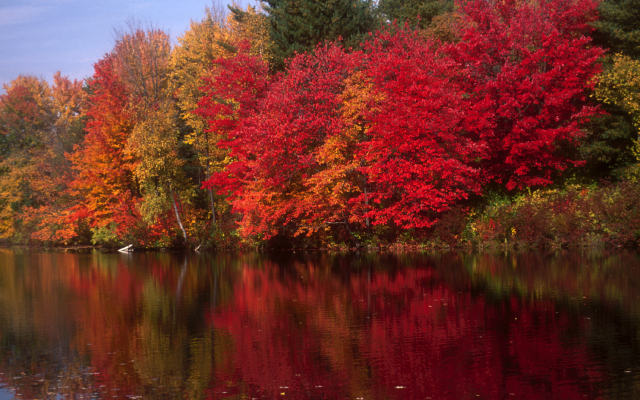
(216, 36)
(25, 112)
(620, 85)
(191, 61)
(141, 61)
(251, 26)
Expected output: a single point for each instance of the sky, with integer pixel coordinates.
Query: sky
(40, 37)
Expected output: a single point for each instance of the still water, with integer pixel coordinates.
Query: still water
(558, 325)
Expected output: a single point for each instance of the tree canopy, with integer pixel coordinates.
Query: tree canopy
(298, 26)
(326, 120)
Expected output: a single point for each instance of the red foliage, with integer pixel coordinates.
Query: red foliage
(20, 117)
(420, 154)
(405, 129)
(104, 182)
(403, 334)
(277, 135)
(527, 68)
(231, 96)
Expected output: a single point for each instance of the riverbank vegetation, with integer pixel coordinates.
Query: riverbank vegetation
(353, 124)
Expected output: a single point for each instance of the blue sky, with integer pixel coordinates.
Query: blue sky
(40, 37)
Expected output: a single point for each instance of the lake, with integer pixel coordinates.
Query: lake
(458, 325)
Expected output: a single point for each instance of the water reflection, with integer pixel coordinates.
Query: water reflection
(561, 325)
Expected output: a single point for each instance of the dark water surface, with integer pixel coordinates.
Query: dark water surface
(559, 325)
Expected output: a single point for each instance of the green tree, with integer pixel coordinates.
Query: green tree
(300, 25)
(607, 146)
(618, 28)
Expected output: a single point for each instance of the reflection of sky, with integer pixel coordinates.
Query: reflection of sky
(40, 37)
(5, 395)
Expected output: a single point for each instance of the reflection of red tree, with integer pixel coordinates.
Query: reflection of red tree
(276, 346)
(107, 310)
(454, 346)
(307, 331)
(407, 335)
(110, 310)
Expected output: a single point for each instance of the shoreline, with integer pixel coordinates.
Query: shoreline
(394, 247)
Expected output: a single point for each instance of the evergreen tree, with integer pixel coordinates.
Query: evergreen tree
(618, 28)
(300, 25)
(607, 146)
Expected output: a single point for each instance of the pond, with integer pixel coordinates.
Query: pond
(459, 325)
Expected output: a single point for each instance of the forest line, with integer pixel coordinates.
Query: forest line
(331, 124)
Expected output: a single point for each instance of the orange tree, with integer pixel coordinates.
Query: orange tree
(104, 186)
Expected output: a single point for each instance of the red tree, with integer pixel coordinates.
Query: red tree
(419, 157)
(527, 67)
(231, 96)
(405, 129)
(277, 137)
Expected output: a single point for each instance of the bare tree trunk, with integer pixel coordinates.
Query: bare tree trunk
(175, 209)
